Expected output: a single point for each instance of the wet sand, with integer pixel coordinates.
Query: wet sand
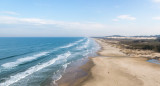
(114, 68)
(76, 73)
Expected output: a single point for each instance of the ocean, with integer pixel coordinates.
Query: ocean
(31, 61)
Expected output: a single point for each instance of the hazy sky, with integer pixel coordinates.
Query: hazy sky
(79, 17)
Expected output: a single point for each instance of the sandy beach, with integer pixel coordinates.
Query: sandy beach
(113, 68)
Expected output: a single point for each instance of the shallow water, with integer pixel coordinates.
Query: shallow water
(32, 61)
(154, 61)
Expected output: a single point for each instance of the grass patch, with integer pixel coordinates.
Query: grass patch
(150, 44)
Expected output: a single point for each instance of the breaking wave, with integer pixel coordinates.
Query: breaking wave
(15, 78)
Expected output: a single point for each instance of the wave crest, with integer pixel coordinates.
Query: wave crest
(23, 60)
(15, 78)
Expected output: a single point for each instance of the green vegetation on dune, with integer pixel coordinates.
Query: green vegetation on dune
(142, 44)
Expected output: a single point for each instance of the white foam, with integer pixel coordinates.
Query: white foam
(60, 75)
(85, 45)
(15, 78)
(23, 60)
(73, 44)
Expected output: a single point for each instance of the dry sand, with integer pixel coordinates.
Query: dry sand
(113, 68)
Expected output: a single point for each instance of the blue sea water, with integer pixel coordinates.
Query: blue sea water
(30, 61)
(155, 61)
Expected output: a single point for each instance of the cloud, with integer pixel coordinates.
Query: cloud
(9, 13)
(36, 27)
(41, 22)
(157, 1)
(156, 18)
(115, 20)
(124, 17)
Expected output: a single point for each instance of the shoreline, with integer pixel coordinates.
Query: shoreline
(76, 74)
(112, 67)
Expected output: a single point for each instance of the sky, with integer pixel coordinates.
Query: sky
(75, 18)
